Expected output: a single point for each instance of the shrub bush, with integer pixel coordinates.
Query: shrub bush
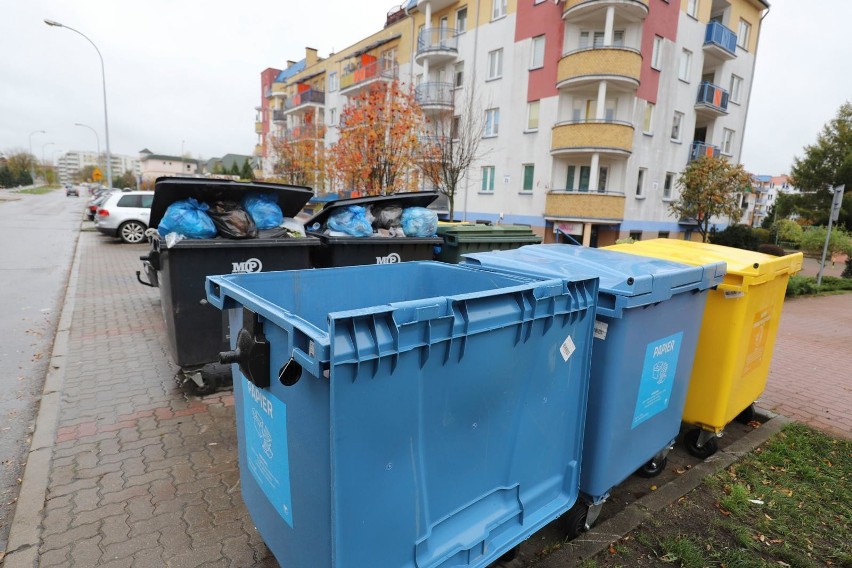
(761, 234)
(847, 272)
(806, 285)
(737, 236)
(774, 250)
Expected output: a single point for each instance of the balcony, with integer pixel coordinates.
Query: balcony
(361, 78)
(720, 43)
(608, 206)
(712, 101)
(308, 132)
(437, 45)
(699, 149)
(278, 116)
(258, 127)
(304, 102)
(635, 10)
(258, 149)
(434, 96)
(278, 90)
(607, 138)
(617, 65)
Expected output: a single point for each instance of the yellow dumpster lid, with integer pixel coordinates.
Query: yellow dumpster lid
(746, 263)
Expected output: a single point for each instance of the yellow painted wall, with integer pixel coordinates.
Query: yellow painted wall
(584, 205)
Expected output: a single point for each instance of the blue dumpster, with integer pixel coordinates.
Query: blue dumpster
(417, 414)
(648, 316)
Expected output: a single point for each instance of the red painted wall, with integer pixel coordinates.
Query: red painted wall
(267, 76)
(661, 21)
(533, 20)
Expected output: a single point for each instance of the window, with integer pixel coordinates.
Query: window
(498, 9)
(495, 64)
(727, 141)
(529, 172)
(742, 37)
(668, 186)
(332, 117)
(663, 235)
(636, 235)
(332, 82)
(685, 65)
(657, 53)
(461, 20)
(736, 88)
(692, 8)
(640, 184)
(532, 115)
(487, 179)
(677, 122)
(458, 74)
(492, 122)
(454, 127)
(603, 172)
(648, 122)
(537, 52)
(596, 39)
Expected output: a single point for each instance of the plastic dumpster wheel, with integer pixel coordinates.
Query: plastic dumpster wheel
(575, 520)
(653, 467)
(746, 415)
(691, 440)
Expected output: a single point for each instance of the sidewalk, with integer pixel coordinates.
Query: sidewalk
(127, 470)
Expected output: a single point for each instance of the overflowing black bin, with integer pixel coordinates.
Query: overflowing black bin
(196, 331)
(351, 251)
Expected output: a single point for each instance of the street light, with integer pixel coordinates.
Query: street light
(32, 163)
(56, 24)
(97, 139)
(43, 146)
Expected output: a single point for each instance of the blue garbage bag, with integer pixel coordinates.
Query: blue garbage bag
(264, 210)
(189, 218)
(419, 222)
(351, 220)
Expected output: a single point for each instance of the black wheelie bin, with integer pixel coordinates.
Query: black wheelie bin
(196, 331)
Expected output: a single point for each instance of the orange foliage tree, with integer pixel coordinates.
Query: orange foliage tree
(301, 156)
(379, 146)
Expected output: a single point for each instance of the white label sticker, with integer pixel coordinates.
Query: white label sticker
(567, 348)
(730, 294)
(600, 329)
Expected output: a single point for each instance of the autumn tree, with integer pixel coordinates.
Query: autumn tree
(452, 144)
(710, 187)
(825, 164)
(379, 144)
(301, 157)
(19, 164)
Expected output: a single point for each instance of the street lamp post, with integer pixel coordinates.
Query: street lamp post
(56, 24)
(32, 163)
(44, 167)
(97, 139)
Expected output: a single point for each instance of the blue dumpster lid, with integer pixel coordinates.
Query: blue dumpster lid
(407, 199)
(629, 280)
(167, 190)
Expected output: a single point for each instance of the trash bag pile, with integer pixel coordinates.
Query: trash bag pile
(379, 221)
(256, 216)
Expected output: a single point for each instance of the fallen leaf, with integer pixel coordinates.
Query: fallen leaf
(653, 488)
(754, 424)
(768, 517)
(612, 549)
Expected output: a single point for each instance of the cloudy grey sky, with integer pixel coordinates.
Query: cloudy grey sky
(186, 73)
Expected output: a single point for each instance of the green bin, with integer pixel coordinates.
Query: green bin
(462, 239)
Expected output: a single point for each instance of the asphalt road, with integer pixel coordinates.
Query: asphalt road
(38, 234)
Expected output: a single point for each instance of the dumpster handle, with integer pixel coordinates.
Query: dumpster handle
(139, 278)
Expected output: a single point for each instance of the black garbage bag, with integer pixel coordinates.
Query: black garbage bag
(232, 221)
(386, 217)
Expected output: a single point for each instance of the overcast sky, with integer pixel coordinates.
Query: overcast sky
(186, 73)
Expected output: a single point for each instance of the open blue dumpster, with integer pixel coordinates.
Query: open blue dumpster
(410, 415)
(648, 317)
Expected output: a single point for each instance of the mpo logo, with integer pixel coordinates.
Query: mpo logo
(250, 265)
(392, 258)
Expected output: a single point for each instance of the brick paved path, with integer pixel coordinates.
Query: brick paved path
(142, 475)
(810, 379)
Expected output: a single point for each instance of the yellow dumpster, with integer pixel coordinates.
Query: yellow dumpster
(737, 332)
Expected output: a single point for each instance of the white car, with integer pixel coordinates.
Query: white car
(125, 214)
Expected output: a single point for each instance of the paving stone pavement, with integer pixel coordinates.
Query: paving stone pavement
(142, 474)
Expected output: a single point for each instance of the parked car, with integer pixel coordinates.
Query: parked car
(125, 214)
(92, 206)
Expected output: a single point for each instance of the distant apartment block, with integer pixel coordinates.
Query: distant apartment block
(70, 163)
(592, 107)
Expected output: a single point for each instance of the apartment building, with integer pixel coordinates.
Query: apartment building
(70, 163)
(591, 107)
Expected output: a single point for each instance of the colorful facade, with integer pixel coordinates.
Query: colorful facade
(592, 107)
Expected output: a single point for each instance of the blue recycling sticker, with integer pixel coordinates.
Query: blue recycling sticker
(265, 426)
(658, 374)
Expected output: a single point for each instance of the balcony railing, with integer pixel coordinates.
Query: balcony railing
(434, 94)
(699, 149)
(437, 39)
(305, 97)
(719, 36)
(712, 96)
(610, 137)
(380, 69)
(278, 116)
